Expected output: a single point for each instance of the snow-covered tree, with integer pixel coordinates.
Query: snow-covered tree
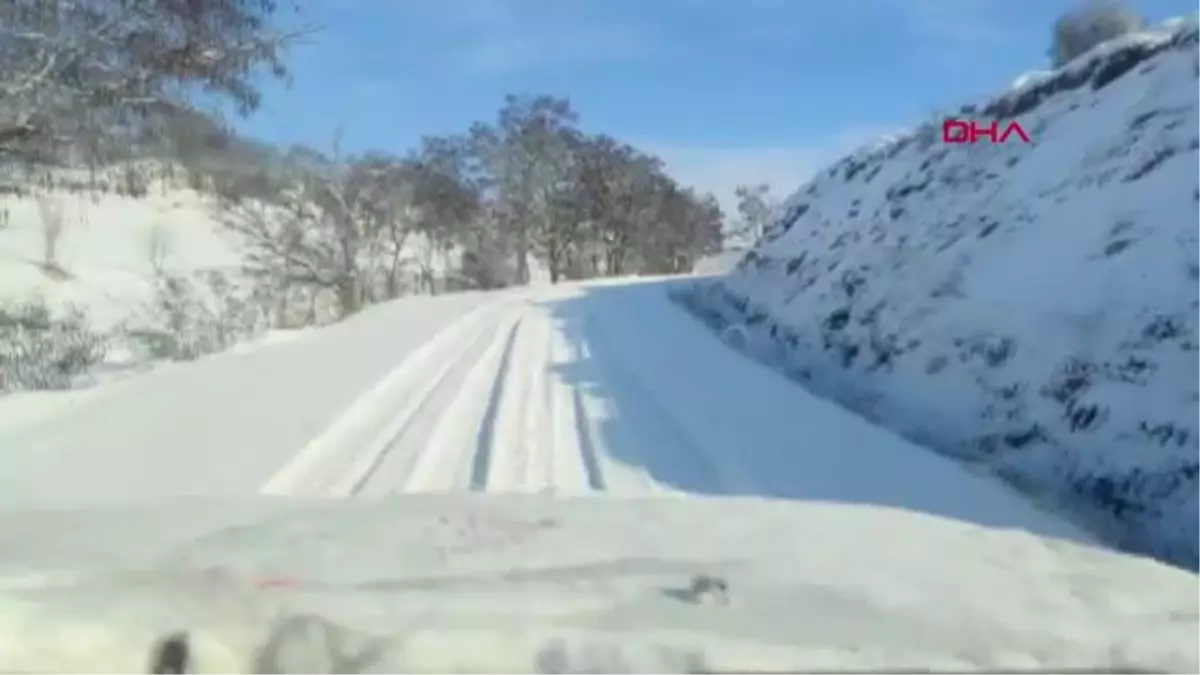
(85, 76)
(757, 210)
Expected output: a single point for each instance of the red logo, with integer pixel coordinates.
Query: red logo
(968, 131)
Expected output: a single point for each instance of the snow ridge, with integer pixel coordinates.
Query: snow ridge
(1029, 307)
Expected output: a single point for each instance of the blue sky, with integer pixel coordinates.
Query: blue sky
(726, 91)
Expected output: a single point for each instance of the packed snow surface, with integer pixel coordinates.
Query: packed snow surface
(577, 478)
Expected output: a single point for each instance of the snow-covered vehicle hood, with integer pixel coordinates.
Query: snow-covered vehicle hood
(525, 584)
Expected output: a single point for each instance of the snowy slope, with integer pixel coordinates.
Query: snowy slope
(106, 245)
(112, 247)
(524, 584)
(1031, 307)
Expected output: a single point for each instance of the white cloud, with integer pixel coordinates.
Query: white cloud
(490, 36)
(965, 23)
(720, 170)
(504, 51)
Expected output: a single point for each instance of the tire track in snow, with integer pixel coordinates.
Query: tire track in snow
(309, 469)
(396, 436)
(482, 460)
(538, 419)
(523, 433)
(454, 444)
(515, 432)
(576, 463)
(539, 442)
(487, 407)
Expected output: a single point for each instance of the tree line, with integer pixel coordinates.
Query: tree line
(108, 82)
(527, 189)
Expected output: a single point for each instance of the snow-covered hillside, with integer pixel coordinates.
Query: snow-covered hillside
(1031, 307)
(133, 270)
(108, 248)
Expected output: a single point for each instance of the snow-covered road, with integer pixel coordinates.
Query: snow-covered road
(257, 528)
(571, 390)
(481, 406)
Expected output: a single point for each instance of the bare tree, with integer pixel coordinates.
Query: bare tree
(687, 227)
(346, 223)
(624, 191)
(313, 241)
(77, 76)
(757, 210)
(329, 213)
(448, 203)
(400, 223)
(525, 156)
(530, 185)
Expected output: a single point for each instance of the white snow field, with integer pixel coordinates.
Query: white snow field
(108, 246)
(579, 478)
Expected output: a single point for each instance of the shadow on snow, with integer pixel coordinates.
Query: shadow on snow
(657, 368)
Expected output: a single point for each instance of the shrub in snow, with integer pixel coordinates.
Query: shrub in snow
(194, 317)
(41, 351)
(1098, 21)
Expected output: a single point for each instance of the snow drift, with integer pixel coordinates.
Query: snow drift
(1032, 307)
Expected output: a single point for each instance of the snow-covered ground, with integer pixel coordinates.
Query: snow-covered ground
(533, 480)
(75, 244)
(217, 426)
(108, 247)
(1031, 308)
(573, 389)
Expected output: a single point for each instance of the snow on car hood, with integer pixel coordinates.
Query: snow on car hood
(526, 584)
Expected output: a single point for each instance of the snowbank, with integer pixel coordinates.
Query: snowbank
(1031, 307)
